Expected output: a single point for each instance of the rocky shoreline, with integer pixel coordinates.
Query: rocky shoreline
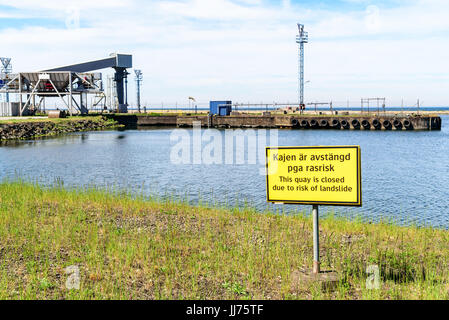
(45, 128)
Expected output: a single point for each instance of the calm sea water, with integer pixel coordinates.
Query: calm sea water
(405, 174)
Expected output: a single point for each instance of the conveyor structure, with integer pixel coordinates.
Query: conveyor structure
(67, 82)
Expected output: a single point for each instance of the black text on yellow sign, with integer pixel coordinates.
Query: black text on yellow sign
(330, 176)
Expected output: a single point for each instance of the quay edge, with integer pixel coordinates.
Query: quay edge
(301, 122)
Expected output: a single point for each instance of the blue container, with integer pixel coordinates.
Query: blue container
(221, 108)
(2, 83)
(223, 111)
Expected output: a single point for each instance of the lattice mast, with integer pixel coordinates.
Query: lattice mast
(139, 79)
(6, 69)
(301, 39)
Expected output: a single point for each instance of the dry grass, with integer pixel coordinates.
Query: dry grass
(152, 249)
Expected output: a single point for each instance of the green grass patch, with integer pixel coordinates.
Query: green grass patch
(132, 247)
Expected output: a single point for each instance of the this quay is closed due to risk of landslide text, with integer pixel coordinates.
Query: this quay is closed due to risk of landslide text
(314, 175)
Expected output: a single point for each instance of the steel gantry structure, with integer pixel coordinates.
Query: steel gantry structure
(120, 63)
(66, 83)
(366, 101)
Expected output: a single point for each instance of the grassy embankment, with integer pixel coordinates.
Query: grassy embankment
(153, 249)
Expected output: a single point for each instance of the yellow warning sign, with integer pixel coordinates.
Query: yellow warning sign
(330, 176)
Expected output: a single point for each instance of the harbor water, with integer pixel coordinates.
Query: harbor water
(405, 174)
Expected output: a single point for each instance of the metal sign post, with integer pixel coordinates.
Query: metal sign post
(328, 176)
(316, 240)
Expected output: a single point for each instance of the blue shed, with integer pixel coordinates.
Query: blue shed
(221, 108)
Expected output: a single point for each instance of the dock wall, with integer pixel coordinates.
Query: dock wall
(397, 123)
(305, 122)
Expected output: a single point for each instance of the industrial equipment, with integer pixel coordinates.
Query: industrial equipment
(68, 82)
(220, 108)
(120, 63)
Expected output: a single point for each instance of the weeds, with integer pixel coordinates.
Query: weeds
(132, 247)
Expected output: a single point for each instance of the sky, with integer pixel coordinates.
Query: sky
(244, 50)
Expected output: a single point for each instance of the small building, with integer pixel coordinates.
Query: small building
(221, 108)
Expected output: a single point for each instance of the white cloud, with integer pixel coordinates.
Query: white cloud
(245, 50)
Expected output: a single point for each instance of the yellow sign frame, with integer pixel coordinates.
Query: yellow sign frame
(358, 168)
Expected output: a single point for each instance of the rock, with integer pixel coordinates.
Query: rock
(29, 130)
(326, 280)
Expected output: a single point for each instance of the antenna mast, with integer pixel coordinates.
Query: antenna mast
(139, 79)
(303, 37)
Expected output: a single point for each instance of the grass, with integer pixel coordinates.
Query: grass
(130, 247)
(46, 119)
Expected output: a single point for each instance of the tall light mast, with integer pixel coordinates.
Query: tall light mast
(301, 38)
(139, 79)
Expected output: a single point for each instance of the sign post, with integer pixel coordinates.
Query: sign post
(329, 176)
(316, 240)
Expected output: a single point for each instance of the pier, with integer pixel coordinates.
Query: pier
(372, 122)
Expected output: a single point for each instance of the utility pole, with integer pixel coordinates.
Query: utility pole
(301, 39)
(139, 79)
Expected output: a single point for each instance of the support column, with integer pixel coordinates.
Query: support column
(70, 95)
(83, 104)
(120, 76)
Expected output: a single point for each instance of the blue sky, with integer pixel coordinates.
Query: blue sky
(244, 50)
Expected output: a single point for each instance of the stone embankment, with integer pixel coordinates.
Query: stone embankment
(341, 122)
(20, 130)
